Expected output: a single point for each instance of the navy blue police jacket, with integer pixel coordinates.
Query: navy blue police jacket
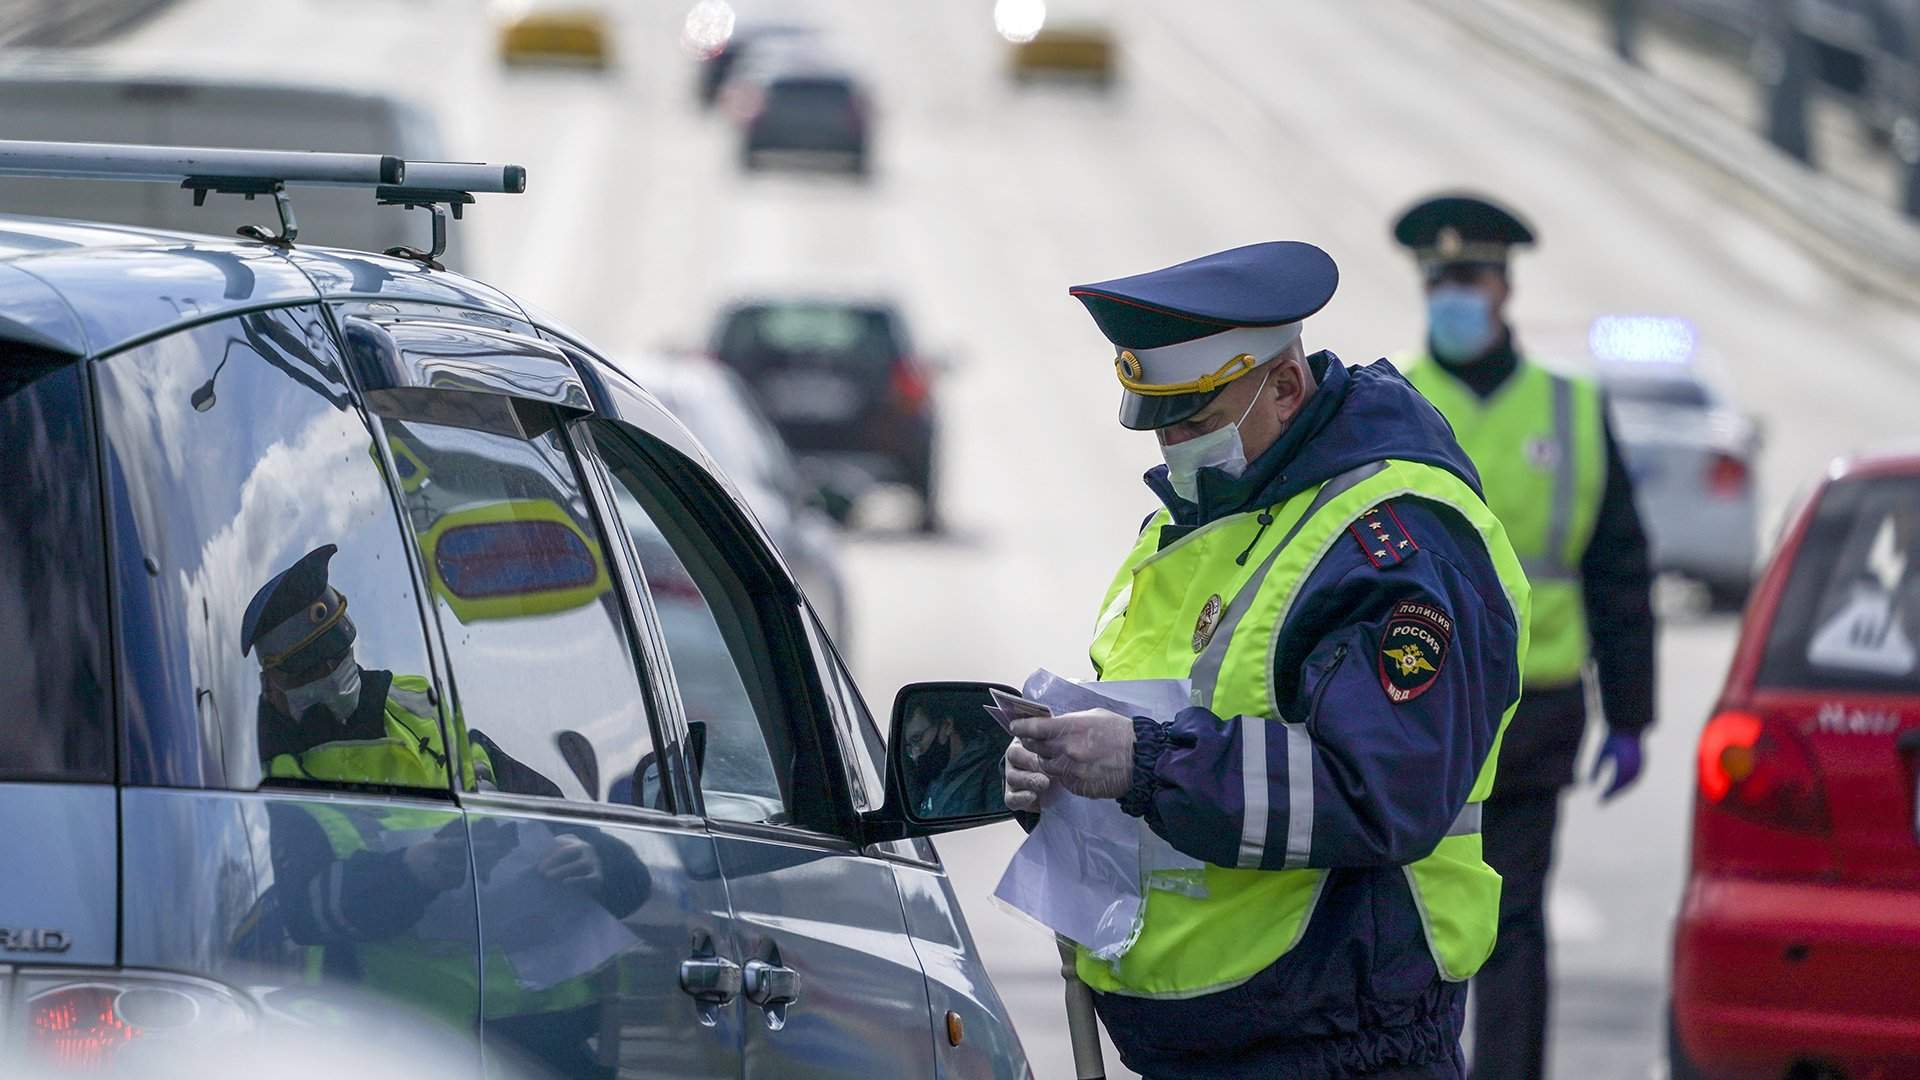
(1360, 992)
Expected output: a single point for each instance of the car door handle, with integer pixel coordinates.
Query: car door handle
(712, 979)
(771, 985)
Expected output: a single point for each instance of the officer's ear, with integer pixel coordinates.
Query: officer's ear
(1292, 381)
(1498, 287)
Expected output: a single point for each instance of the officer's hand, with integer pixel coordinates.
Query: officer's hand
(1623, 749)
(439, 862)
(1024, 783)
(572, 860)
(1090, 753)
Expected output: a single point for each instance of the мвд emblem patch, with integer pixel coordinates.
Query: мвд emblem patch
(1413, 649)
(1208, 622)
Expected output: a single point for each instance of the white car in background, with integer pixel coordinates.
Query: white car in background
(1688, 447)
(716, 406)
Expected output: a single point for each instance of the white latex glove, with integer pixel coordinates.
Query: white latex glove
(1090, 753)
(1023, 782)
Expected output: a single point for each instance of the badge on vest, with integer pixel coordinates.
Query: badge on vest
(1209, 622)
(1413, 649)
(1542, 452)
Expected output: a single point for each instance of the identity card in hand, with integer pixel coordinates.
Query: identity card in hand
(1008, 707)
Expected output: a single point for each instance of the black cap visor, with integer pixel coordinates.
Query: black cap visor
(1142, 412)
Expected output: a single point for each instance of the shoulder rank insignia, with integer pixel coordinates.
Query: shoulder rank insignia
(1413, 649)
(1381, 537)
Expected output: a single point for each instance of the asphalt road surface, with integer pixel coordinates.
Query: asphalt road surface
(1233, 122)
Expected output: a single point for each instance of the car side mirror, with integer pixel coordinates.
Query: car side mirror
(944, 754)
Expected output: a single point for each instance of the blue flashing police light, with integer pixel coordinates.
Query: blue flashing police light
(1642, 339)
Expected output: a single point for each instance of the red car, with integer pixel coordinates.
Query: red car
(1797, 948)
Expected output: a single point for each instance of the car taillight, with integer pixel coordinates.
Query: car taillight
(77, 1027)
(1726, 476)
(1758, 770)
(93, 1023)
(909, 385)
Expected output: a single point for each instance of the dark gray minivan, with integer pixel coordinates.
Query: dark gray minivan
(377, 654)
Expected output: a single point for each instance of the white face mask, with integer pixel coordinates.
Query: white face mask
(338, 691)
(1220, 449)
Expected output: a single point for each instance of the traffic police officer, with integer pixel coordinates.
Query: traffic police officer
(1554, 477)
(1352, 618)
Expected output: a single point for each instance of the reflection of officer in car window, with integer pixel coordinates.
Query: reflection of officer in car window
(952, 772)
(355, 885)
(324, 717)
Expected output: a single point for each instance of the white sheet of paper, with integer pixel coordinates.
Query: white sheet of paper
(1083, 871)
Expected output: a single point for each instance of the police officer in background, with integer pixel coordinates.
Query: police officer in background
(1554, 477)
(1353, 621)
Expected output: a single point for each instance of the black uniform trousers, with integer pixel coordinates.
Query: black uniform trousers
(1517, 827)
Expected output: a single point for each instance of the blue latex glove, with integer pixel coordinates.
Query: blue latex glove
(1623, 749)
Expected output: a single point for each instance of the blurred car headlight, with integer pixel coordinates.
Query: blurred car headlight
(708, 28)
(1019, 21)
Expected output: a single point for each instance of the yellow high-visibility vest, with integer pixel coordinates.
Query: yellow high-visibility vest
(1247, 917)
(1538, 443)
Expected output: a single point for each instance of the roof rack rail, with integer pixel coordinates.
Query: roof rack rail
(429, 184)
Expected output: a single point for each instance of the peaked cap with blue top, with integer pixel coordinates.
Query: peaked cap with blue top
(297, 620)
(1186, 331)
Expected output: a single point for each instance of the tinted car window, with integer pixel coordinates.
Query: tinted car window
(1850, 616)
(536, 638)
(776, 335)
(269, 626)
(53, 618)
(723, 659)
(810, 95)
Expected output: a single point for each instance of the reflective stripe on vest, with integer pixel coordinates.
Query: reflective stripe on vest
(1248, 917)
(1548, 507)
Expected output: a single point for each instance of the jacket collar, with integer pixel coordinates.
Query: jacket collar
(1489, 373)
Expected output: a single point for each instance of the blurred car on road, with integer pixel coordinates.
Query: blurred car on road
(79, 98)
(797, 106)
(555, 32)
(841, 383)
(1687, 446)
(580, 784)
(801, 109)
(1050, 40)
(1798, 939)
(719, 409)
